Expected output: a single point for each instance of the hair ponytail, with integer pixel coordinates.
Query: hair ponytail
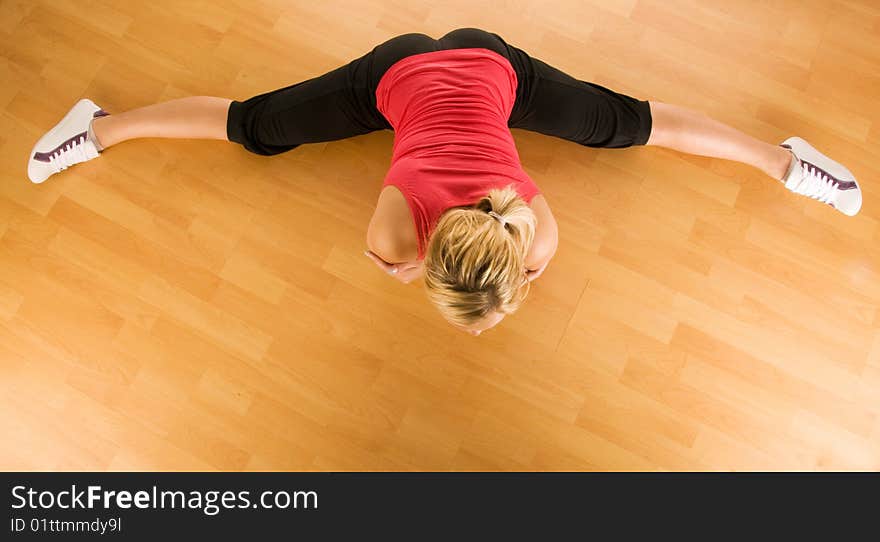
(475, 259)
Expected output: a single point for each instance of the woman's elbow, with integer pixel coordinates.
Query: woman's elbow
(543, 249)
(384, 247)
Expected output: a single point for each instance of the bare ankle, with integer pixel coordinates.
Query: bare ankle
(97, 134)
(781, 164)
(94, 137)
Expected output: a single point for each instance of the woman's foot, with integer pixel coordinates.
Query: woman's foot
(814, 175)
(69, 142)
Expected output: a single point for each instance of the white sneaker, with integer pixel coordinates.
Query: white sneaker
(814, 175)
(66, 144)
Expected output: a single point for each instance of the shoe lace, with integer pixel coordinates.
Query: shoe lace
(816, 184)
(72, 153)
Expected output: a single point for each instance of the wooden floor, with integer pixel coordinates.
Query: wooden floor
(184, 305)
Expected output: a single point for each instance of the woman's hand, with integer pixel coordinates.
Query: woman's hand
(405, 272)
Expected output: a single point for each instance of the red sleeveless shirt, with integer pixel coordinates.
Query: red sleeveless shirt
(449, 111)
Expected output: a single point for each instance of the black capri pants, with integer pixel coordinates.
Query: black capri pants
(342, 103)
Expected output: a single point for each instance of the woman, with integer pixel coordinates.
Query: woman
(482, 230)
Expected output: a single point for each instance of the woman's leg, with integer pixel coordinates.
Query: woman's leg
(554, 103)
(336, 105)
(86, 130)
(194, 117)
(326, 108)
(690, 131)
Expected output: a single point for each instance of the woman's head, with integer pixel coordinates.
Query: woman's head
(475, 260)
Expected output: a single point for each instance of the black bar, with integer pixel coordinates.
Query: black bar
(451, 506)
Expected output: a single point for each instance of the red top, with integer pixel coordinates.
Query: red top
(449, 111)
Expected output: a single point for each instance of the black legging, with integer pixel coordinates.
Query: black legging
(342, 103)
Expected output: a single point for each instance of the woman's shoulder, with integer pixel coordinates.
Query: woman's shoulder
(392, 230)
(539, 202)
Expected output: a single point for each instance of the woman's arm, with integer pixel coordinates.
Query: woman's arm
(405, 272)
(546, 239)
(391, 238)
(389, 255)
(392, 256)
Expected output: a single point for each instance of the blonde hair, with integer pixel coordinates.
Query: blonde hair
(475, 261)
